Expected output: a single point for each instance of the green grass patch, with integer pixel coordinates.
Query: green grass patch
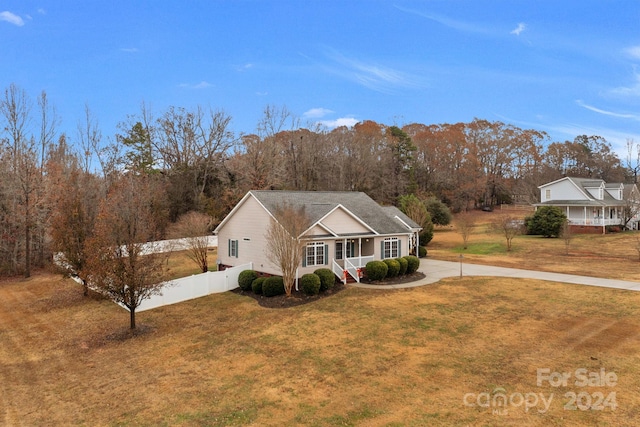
(488, 248)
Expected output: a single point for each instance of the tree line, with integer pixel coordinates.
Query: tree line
(58, 190)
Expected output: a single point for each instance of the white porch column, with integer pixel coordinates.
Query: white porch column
(585, 215)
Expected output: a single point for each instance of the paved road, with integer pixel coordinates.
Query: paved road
(436, 270)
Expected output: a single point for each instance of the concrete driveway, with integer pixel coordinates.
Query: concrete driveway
(436, 270)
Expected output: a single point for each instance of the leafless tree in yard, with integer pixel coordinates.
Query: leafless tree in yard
(567, 235)
(465, 223)
(194, 228)
(120, 264)
(510, 227)
(285, 243)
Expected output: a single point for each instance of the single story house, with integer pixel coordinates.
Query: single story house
(348, 229)
(592, 204)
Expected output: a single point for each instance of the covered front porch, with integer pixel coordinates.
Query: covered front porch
(595, 216)
(351, 255)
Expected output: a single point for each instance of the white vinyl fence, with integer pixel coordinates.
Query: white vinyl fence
(196, 286)
(185, 288)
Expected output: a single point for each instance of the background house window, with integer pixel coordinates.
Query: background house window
(233, 248)
(391, 248)
(316, 254)
(547, 194)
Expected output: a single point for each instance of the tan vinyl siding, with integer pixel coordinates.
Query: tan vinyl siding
(248, 226)
(341, 222)
(317, 231)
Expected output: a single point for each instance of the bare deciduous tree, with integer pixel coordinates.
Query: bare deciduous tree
(509, 226)
(74, 200)
(567, 235)
(194, 228)
(465, 222)
(285, 242)
(120, 263)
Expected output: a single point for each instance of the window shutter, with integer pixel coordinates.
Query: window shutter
(229, 246)
(304, 257)
(237, 248)
(326, 254)
(382, 250)
(399, 248)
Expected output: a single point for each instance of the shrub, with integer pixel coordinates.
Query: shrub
(256, 286)
(327, 278)
(393, 267)
(376, 270)
(246, 278)
(426, 235)
(273, 286)
(413, 264)
(440, 213)
(403, 266)
(422, 251)
(546, 221)
(310, 284)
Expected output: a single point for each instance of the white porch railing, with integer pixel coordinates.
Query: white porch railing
(595, 221)
(360, 261)
(352, 269)
(353, 265)
(338, 271)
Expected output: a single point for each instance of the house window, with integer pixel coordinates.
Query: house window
(547, 194)
(233, 248)
(316, 254)
(340, 250)
(391, 248)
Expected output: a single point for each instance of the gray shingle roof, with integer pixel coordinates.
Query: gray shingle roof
(319, 203)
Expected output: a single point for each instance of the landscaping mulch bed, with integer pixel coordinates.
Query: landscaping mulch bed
(399, 280)
(299, 298)
(296, 298)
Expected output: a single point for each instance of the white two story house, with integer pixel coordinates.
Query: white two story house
(592, 203)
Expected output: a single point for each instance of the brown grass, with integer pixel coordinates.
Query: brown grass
(180, 265)
(610, 256)
(360, 357)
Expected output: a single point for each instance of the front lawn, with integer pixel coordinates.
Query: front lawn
(421, 356)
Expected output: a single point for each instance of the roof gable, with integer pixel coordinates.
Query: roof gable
(320, 204)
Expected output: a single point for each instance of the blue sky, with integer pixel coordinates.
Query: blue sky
(564, 67)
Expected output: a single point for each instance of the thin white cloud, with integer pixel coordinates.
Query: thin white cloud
(376, 77)
(202, 85)
(245, 67)
(343, 121)
(617, 139)
(262, 93)
(41, 11)
(633, 52)
(466, 27)
(11, 18)
(519, 29)
(129, 49)
(608, 113)
(316, 113)
(633, 90)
